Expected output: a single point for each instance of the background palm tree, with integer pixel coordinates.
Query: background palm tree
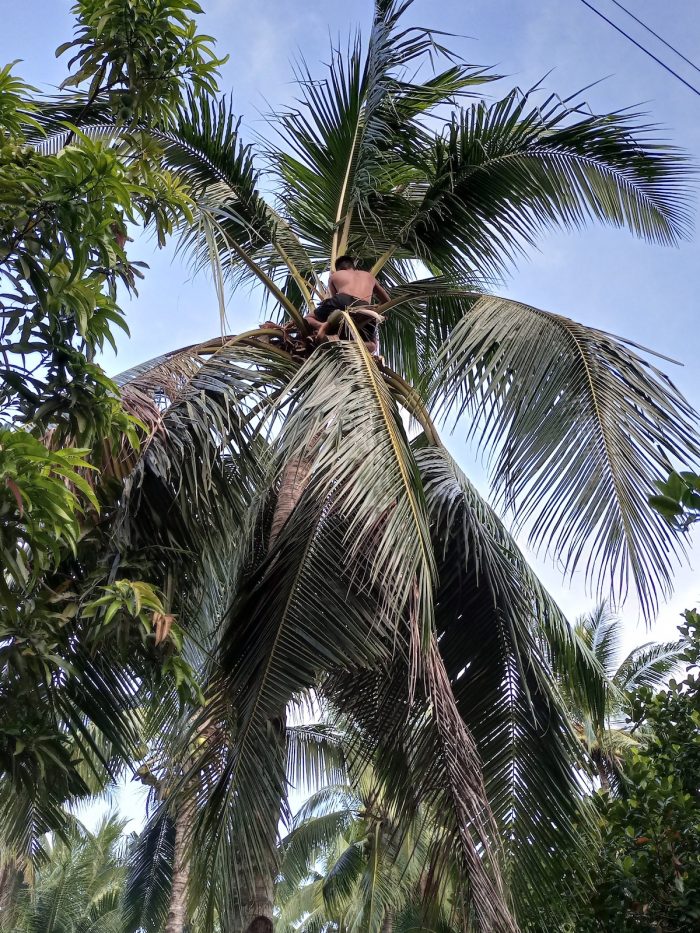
(648, 665)
(78, 887)
(349, 863)
(306, 542)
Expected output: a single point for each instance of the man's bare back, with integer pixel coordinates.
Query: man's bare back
(357, 283)
(344, 285)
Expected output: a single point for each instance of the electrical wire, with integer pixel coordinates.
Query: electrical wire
(640, 46)
(657, 36)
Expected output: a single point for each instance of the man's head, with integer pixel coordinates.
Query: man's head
(345, 262)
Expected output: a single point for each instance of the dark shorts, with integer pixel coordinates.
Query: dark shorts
(341, 302)
(337, 303)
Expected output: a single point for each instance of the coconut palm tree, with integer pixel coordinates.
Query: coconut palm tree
(308, 541)
(78, 887)
(315, 757)
(349, 864)
(648, 665)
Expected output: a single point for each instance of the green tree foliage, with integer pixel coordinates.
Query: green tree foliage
(77, 888)
(678, 499)
(306, 542)
(647, 876)
(141, 55)
(606, 738)
(648, 872)
(326, 549)
(81, 630)
(349, 862)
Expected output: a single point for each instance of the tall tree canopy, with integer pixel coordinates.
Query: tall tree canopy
(305, 541)
(77, 642)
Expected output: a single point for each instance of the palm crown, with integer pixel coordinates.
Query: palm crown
(308, 543)
(648, 665)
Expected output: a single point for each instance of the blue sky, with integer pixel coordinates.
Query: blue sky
(600, 277)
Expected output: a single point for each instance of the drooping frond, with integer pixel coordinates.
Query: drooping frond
(315, 756)
(346, 424)
(502, 638)
(286, 626)
(27, 818)
(245, 233)
(149, 877)
(424, 757)
(580, 426)
(203, 463)
(649, 665)
(336, 600)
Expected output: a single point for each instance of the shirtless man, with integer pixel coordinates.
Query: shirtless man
(349, 287)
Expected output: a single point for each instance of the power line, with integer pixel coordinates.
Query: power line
(657, 36)
(639, 46)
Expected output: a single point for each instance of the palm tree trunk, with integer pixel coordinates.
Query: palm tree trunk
(10, 880)
(260, 911)
(295, 475)
(177, 911)
(294, 478)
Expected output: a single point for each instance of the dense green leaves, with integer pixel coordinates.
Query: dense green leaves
(38, 510)
(78, 889)
(679, 499)
(276, 531)
(86, 630)
(143, 54)
(648, 873)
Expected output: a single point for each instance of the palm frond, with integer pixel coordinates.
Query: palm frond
(348, 435)
(344, 875)
(348, 426)
(419, 764)
(580, 426)
(502, 639)
(203, 466)
(305, 845)
(315, 756)
(203, 146)
(343, 133)
(149, 877)
(601, 630)
(649, 665)
(420, 317)
(275, 643)
(503, 173)
(303, 910)
(77, 887)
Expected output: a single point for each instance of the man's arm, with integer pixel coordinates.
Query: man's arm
(332, 286)
(381, 293)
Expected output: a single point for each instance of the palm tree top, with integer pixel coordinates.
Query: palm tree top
(438, 195)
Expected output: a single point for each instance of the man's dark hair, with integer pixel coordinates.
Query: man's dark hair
(345, 262)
